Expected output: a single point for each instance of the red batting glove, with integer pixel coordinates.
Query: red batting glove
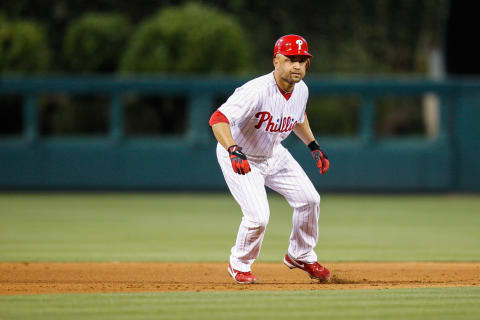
(320, 157)
(239, 160)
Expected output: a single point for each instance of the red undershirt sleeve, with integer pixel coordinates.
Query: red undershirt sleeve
(217, 117)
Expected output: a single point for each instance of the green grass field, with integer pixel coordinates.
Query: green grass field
(202, 227)
(422, 304)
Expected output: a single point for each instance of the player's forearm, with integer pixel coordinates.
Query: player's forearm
(223, 134)
(303, 131)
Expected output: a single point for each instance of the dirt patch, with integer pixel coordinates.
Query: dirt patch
(35, 278)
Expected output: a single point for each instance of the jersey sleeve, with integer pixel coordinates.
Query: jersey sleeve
(302, 117)
(241, 105)
(217, 117)
(305, 97)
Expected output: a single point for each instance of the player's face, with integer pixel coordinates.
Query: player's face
(291, 69)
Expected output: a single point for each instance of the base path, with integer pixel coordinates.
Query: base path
(36, 278)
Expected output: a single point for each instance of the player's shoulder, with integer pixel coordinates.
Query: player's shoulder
(260, 83)
(302, 85)
(302, 89)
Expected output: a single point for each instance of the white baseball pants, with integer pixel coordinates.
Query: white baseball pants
(281, 173)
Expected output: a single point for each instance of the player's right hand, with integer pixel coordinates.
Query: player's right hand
(239, 160)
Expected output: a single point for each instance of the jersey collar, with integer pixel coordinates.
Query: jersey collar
(285, 94)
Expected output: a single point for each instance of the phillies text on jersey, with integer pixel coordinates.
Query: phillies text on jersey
(285, 124)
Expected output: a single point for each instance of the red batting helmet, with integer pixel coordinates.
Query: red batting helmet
(291, 45)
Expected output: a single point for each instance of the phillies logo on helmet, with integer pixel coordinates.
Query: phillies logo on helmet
(291, 45)
(299, 42)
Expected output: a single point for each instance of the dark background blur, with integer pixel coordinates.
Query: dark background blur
(346, 36)
(67, 45)
(204, 38)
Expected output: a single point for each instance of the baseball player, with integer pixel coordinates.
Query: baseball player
(249, 128)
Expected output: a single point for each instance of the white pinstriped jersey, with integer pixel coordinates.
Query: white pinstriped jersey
(260, 117)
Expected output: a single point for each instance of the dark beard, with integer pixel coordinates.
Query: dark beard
(291, 81)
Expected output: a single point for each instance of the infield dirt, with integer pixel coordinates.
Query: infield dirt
(39, 278)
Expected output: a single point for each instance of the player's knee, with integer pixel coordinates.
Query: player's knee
(261, 223)
(256, 217)
(313, 199)
(256, 223)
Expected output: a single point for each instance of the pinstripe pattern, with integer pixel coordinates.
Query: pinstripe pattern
(260, 118)
(283, 174)
(257, 96)
(288, 178)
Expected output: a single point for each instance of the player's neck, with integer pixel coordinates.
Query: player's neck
(286, 86)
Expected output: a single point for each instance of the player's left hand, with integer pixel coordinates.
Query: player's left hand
(320, 157)
(321, 160)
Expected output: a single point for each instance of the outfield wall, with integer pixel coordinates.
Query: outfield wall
(115, 161)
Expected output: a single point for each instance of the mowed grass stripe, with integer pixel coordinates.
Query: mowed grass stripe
(438, 303)
(202, 227)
